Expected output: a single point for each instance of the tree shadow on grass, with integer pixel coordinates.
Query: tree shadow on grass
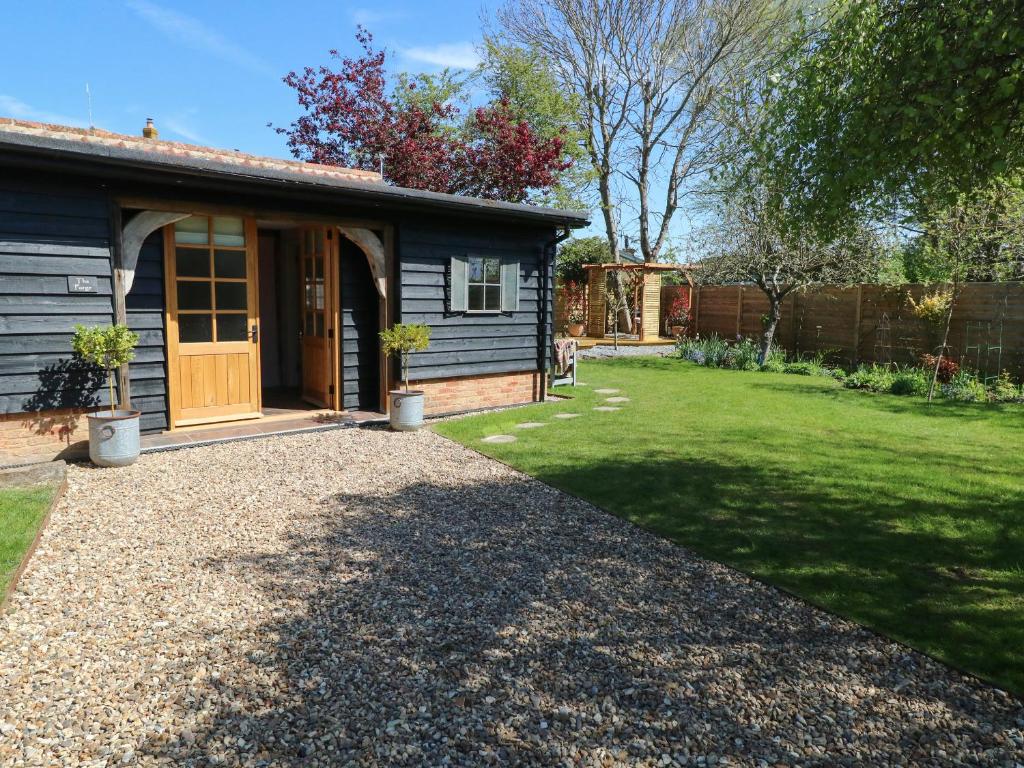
(945, 577)
(504, 622)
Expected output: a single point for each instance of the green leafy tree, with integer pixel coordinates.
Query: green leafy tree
(574, 253)
(525, 79)
(897, 106)
(404, 339)
(109, 347)
(978, 236)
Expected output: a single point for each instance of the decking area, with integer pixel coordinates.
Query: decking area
(586, 342)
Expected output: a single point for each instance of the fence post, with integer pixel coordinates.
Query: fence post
(696, 313)
(739, 309)
(856, 324)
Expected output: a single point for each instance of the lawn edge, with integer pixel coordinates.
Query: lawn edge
(12, 585)
(1012, 693)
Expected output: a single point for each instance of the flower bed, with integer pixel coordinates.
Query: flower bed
(955, 382)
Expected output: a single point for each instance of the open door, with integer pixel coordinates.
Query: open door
(213, 352)
(318, 267)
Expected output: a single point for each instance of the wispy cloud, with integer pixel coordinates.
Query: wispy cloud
(455, 55)
(181, 125)
(370, 17)
(11, 106)
(189, 31)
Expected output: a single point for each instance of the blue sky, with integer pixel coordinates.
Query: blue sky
(207, 72)
(210, 72)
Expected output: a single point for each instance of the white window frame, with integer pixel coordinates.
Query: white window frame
(497, 284)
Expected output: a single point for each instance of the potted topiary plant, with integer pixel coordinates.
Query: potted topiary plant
(406, 406)
(113, 436)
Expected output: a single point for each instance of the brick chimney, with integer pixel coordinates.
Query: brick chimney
(150, 131)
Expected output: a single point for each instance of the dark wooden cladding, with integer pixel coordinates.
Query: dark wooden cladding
(145, 306)
(60, 226)
(46, 235)
(359, 328)
(467, 344)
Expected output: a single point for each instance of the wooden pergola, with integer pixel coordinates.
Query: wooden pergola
(647, 294)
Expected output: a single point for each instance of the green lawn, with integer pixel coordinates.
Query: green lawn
(906, 517)
(21, 512)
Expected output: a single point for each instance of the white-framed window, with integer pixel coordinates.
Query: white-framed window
(483, 284)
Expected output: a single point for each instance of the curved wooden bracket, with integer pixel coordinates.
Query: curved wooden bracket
(135, 232)
(372, 246)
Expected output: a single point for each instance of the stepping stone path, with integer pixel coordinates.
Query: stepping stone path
(499, 439)
(531, 424)
(616, 399)
(566, 415)
(606, 408)
(606, 391)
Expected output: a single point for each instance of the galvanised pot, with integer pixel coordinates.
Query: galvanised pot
(406, 410)
(114, 438)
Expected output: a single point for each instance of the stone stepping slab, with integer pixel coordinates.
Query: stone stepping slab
(566, 415)
(606, 408)
(606, 391)
(499, 439)
(616, 399)
(531, 424)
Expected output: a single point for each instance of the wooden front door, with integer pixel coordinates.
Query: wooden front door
(212, 320)
(319, 273)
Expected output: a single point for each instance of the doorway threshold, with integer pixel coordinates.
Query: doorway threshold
(313, 421)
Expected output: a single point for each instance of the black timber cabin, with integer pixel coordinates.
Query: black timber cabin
(255, 284)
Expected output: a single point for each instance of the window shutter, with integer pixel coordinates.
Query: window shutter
(509, 286)
(457, 290)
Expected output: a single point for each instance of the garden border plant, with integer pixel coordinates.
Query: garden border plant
(955, 382)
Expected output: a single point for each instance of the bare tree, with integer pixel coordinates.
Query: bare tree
(648, 75)
(752, 240)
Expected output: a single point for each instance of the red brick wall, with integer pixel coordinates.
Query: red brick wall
(472, 392)
(45, 436)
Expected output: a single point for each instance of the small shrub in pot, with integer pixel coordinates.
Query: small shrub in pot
(404, 339)
(113, 436)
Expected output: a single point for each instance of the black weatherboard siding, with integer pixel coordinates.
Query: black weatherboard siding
(359, 328)
(46, 236)
(470, 344)
(145, 305)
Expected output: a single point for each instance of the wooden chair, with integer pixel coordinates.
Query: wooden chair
(568, 375)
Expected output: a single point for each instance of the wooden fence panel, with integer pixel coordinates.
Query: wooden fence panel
(755, 307)
(866, 323)
(875, 323)
(716, 312)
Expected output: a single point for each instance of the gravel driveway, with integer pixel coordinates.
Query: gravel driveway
(364, 597)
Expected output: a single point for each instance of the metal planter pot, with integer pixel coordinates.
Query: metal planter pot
(406, 410)
(114, 438)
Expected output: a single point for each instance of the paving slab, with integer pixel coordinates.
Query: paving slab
(498, 439)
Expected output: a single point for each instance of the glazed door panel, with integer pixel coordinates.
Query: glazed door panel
(212, 320)
(318, 271)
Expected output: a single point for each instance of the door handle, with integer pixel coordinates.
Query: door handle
(255, 333)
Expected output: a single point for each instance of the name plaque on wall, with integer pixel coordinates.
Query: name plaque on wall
(78, 284)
